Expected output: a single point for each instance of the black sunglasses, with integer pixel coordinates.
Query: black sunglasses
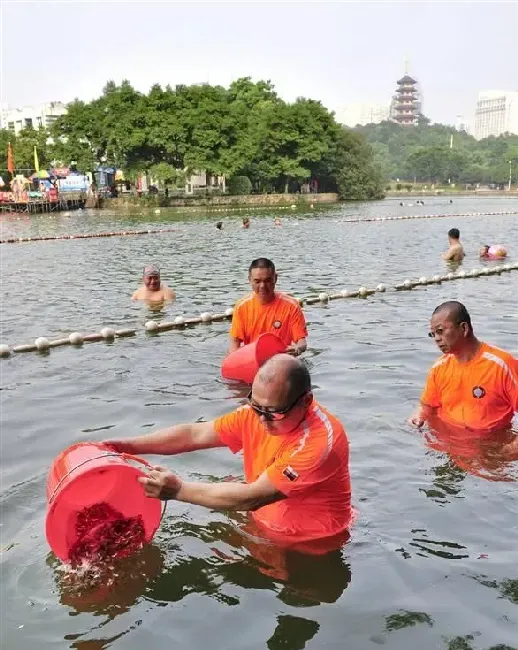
(273, 416)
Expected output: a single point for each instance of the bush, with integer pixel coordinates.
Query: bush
(239, 185)
(408, 187)
(399, 187)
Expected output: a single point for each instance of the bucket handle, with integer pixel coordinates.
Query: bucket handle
(124, 456)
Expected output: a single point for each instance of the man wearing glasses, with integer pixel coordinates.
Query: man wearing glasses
(473, 385)
(295, 455)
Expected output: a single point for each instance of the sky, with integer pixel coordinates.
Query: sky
(336, 52)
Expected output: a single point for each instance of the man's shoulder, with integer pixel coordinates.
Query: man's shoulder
(289, 300)
(245, 301)
(324, 425)
(501, 357)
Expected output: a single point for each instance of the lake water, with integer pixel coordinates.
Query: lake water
(432, 561)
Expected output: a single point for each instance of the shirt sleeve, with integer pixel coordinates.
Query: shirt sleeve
(431, 395)
(230, 427)
(298, 328)
(292, 473)
(237, 329)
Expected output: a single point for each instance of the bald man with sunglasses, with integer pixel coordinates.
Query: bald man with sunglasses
(295, 456)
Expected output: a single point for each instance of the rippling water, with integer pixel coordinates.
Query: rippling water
(432, 559)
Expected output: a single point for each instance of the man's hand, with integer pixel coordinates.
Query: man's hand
(416, 421)
(161, 483)
(120, 446)
(293, 349)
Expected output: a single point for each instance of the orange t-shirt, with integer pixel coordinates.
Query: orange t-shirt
(283, 317)
(309, 466)
(481, 394)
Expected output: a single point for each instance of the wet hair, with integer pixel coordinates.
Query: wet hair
(454, 233)
(246, 220)
(299, 380)
(219, 225)
(296, 374)
(486, 247)
(456, 311)
(261, 263)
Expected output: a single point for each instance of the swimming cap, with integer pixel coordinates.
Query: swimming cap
(151, 269)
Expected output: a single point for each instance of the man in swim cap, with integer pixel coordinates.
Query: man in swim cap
(456, 252)
(153, 289)
(265, 310)
(295, 456)
(473, 385)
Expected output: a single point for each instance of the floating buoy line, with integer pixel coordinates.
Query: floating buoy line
(77, 339)
(159, 231)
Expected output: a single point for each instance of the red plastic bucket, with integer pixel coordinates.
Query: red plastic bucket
(87, 474)
(243, 364)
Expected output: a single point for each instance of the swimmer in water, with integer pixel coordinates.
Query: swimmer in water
(246, 223)
(277, 222)
(456, 252)
(153, 289)
(219, 225)
(492, 252)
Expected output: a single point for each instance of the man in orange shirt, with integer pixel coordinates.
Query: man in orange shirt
(265, 310)
(295, 453)
(473, 385)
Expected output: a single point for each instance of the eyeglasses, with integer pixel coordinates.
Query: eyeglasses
(273, 415)
(440, 330)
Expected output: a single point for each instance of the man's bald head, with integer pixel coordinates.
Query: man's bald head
(288, 371)
(455, 311)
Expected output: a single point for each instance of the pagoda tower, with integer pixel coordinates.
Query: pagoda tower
(406, 102)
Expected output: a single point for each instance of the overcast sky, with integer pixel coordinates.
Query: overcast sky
(338, 53)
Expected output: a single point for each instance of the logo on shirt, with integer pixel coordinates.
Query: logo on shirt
(290, 473)
(277, 324)
(478, 392)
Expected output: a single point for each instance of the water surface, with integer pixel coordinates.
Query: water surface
(432, 558)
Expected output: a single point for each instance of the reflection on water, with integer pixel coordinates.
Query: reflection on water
(480, 454)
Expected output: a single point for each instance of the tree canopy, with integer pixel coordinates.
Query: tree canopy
(423, 153)
(243, 130)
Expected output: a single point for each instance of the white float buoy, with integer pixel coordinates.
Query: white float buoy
(408, 284)
(179, 320)
(461, 274)
(450, 276)
(157, 211)
(107, 333)
(437, 279)
(4, 350)
(229, 311)
(324, 297)
(206, 317)
(423, 280)
(381, 288)
(362, 291)
(42, 343)
(293, 206)
(151, 326)
(75, 338)
(345, 293)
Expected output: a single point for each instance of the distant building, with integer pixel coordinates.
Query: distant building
(496, 113)
(363, 113)
(406, 102)
(40, 116)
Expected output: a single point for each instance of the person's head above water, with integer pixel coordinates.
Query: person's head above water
(246, 223)
(219, 225)
(263, 278)
(281, 394)
(484, 251)
(454, 234)
(151, 277)
(451, 327)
